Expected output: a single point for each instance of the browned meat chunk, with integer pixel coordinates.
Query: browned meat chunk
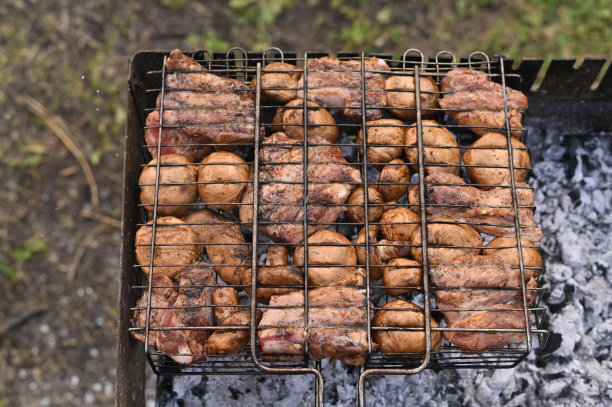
(191, 309)
(336, 84)
(200, 108)
(473, 100)
(163, 295)
(480, 292)
(336, 324)
(488, 211)
(281, 189)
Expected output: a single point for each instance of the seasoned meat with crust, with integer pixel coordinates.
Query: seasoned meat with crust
(163, 295)
(336, 318)
(480, 292)
(200, 108)
(488, 211)
(336, 84)
(472, 99)
(330, 178)
(191, 309)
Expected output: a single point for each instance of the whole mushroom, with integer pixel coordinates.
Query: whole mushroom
(401, 97)
(402, 276)
(222, 178)
(331, 256)
(389, 134)
(394, 180)
(440, 148)
(290, 120)
(403, 343)
(355, 205)
(447, 238)
(177, 188)
(225, 244)
(278, 82)
(397, 224)
(486, 160)
(176, 246)
(380, 251)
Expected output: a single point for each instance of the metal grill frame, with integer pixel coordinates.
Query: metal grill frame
(246, 363)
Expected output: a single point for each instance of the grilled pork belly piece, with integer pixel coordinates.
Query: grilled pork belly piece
(480, 292)
(191, 309)
(473, 100)
(281, 188)
(336, 84)
(163, 295)
(200, 108)
(488, 211)
(336, 324)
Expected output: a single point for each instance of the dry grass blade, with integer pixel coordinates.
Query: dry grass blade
(59, 127)
(11, 323)
(80, 251)
(86, 213)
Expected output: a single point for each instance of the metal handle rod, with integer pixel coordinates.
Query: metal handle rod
(254, 259)
(517, 223)
(155, 201)
(425, 266)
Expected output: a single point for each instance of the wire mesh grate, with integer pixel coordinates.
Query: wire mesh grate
(303, 168)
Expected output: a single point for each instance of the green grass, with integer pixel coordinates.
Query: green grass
(552, 29)
(14, 257)
(542, 28)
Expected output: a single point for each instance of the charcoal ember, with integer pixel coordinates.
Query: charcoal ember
(557, 295)
(602, 335)
(550, 171)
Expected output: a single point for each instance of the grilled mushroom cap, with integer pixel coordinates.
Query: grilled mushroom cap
(280, 85)
(389, 134)
(177, 185)
(224, 177)
(355, 211)
(447, 238)
(393, 181)
(290, 120)
(487, 163)
(440, 149)
(327, 248)
(403, 314)
(175, 246)
(401, 96)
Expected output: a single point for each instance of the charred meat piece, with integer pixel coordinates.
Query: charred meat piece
(480, 292)
(336, 84)
(473, 100)
(193, 309)
(336, 324)
(163, 295)
(200, 108)
(330, 178)
(488, 211)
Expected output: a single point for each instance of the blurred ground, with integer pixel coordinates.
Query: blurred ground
(63, 84)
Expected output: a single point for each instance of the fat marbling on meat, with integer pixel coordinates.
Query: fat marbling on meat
(336, 84)
(193, 309)
(336, 324)
(200, 108)
(489, 211)
(480, 292)
(472, 99)
(331, 180)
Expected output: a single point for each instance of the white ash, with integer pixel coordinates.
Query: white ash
(572, 177)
